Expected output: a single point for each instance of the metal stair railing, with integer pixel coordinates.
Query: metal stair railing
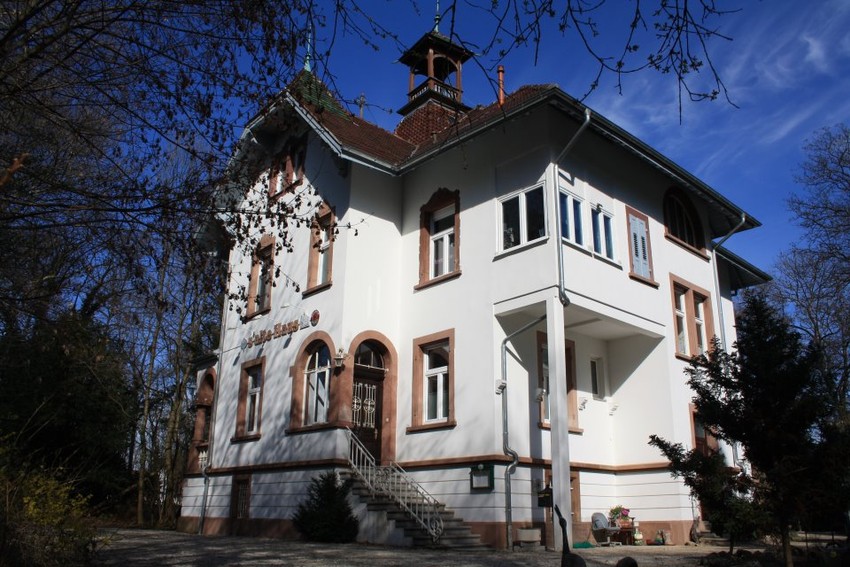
(395, 483)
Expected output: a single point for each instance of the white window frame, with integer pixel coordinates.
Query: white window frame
(602, 232)
(317, 383)
(699, 324)
(252, 409)
(440, 375)
(446, 239)
(680, 295)
(521, 197)
(323, 246)
(572, 213)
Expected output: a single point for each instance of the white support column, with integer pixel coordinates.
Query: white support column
(558, 416)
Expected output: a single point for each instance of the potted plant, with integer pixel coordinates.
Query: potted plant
(619, 516)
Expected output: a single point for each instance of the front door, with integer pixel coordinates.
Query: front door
(366, 411)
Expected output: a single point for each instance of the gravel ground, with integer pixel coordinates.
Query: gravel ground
(130, 547)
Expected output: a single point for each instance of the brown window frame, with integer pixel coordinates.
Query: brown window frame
(572, 384)
(634, 272)
(323, 223)
(420, 346)
(689, 292)
(440, 200)
(679, 210)
(242, 433)
(263, 256)
(287, 172)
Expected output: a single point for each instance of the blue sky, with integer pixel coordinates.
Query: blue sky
(787, 68)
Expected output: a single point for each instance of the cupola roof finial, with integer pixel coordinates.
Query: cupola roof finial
(437, 18)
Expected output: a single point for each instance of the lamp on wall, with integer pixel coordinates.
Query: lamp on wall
(339, 359)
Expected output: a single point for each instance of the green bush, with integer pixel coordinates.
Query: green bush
(326, 515)
(43, 522)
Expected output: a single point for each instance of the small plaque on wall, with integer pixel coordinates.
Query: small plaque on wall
(481, 477)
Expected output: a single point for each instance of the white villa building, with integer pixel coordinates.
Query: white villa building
(490, 301)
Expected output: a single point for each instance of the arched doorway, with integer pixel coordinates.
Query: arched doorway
(367, 396)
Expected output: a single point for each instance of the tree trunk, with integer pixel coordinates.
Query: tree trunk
(148, 387)
(785, 534)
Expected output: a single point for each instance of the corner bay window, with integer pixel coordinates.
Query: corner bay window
(433, 381)
(571, 213)
(603, 232)
(523, 218)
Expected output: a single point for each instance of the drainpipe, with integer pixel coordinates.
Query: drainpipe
(717, 278)
(736, 459)
(565, 301)
(509, 470)
(562, 290)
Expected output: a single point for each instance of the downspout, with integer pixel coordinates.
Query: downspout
(714, 248)
(562, 289)
(565, 301)
(736, 459)
(509, 470)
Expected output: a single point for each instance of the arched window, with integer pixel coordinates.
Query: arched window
(317, 383)
(681, 220)
(368, 356)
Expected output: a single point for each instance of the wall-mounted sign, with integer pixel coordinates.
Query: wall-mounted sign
(283, 329)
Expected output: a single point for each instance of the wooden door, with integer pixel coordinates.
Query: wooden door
(366, 411)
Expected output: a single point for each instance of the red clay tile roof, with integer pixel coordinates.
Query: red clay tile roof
(426, 129)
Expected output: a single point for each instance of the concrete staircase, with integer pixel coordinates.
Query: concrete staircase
(384, 521)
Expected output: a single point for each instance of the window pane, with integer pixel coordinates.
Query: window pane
(438, 260)
(443, 221)
(510, 223)
(577, 233)
(445, 396)
(594, 378)
(594, 221)
(432, 397)
(534, 214)
(609, 237)
(565, 215)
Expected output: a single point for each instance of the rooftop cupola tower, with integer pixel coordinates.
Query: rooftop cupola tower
(440, 62)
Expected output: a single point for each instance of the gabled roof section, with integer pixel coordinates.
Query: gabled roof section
(362, 142)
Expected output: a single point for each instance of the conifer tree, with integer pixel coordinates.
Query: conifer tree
(768, 396)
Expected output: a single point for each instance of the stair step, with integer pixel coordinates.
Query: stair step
(456, 534)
